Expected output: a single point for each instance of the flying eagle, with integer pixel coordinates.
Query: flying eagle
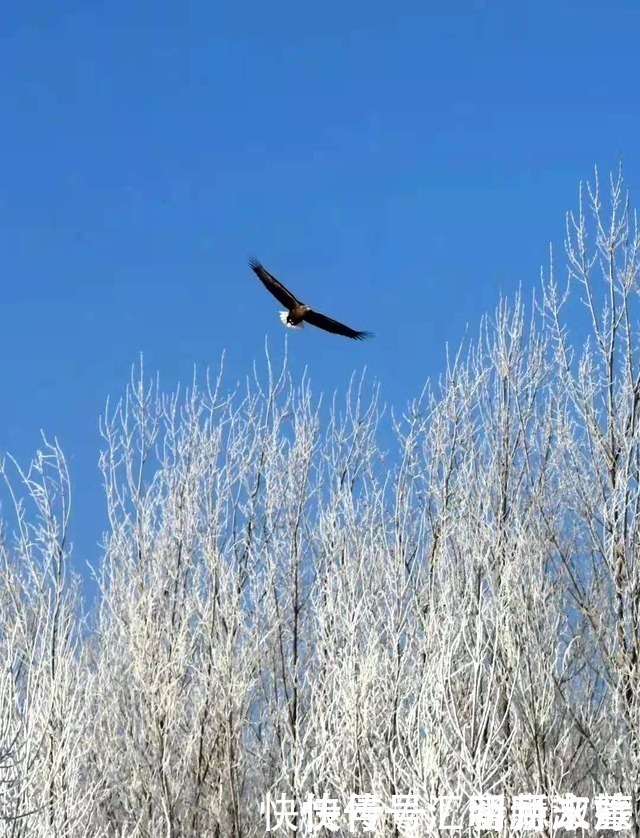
(298, 313)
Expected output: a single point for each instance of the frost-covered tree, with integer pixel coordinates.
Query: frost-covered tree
(298, 597)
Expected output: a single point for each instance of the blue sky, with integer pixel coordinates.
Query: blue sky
(395, 164)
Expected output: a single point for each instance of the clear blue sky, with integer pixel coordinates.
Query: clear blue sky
(395, 164)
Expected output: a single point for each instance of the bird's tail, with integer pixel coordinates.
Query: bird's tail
(283, 317)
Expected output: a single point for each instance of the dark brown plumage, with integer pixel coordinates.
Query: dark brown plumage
(298, 313)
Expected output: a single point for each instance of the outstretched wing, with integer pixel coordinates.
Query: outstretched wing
(329, 325)
(271, 284)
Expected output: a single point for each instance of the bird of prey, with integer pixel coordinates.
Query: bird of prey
(297, 313)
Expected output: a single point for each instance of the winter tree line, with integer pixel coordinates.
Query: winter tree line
(299, 598)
